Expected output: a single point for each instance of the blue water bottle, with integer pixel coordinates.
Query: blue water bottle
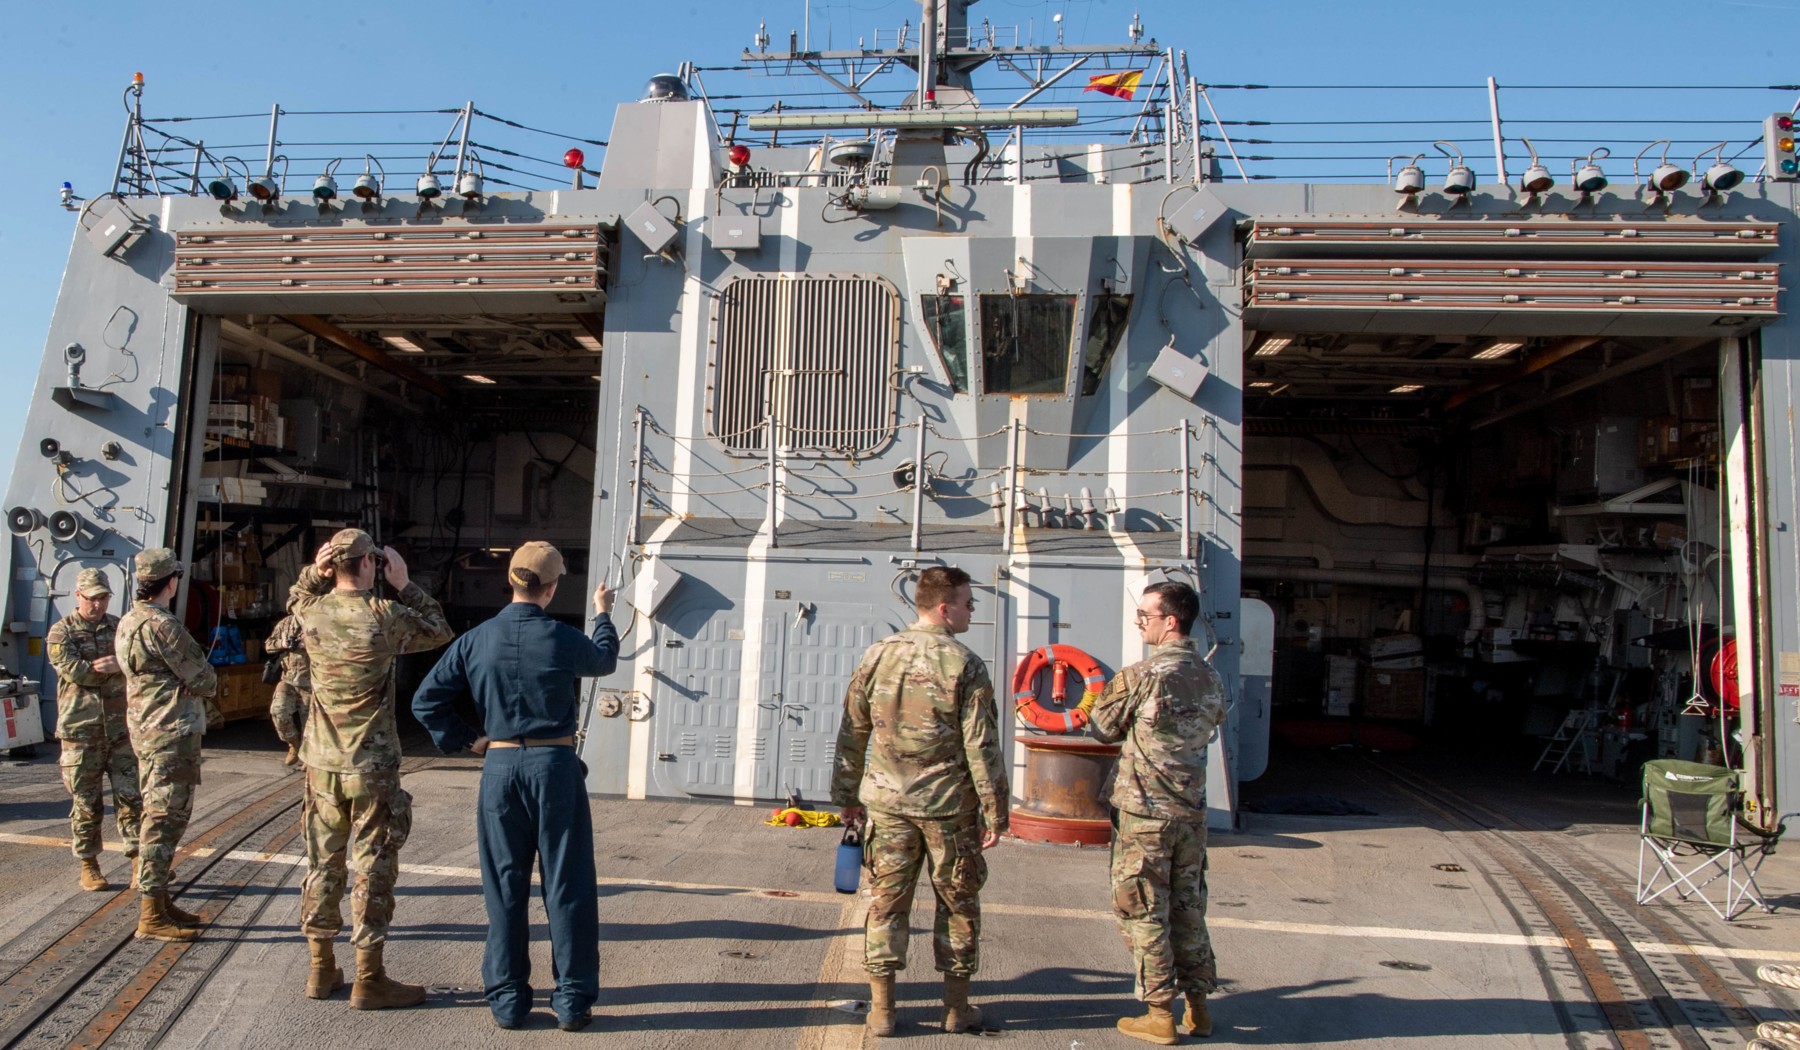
(849, 860)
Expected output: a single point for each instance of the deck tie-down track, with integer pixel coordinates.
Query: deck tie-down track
(1606, 992)
(462, 258)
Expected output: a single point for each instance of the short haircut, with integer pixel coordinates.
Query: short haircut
(147, 590)
(526, 584)
(937, 586)
(1177, 600)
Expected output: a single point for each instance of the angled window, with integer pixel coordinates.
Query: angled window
(1026, 341)
(1106, 325)
(947, 324)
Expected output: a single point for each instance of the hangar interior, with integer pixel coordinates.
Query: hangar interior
(451, 438)
(1490, 541)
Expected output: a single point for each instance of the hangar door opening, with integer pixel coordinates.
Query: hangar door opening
(452, 438)
(1485, 475)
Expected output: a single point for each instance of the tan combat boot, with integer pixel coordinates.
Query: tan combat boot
(325, 976)
(180, 915)
(91, 879)
(134, 872)
(959, 1016)
(154, 923)
(1156, 1026)
(375, 990)
(881, 1004)
(293, 757)
(1199, 1018)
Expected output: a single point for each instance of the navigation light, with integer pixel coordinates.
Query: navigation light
(222, 188)
(367, 186)
(1721, 177)
(264, 188)
(429, 188)
(1411, 178)
(325, 187)
(739, 155)
(574, 158)
(1589, 178)
(1665, 177)
(1537, 178)
(1460, 181)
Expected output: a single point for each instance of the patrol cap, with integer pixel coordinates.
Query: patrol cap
(543, 562)
(156, 563)
(91, 583)
(351, 544)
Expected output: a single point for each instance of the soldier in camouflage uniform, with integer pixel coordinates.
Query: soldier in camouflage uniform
(169, 689)
(1163, 711)
(919, 756)
(90, 721)
(351, 752)
(293, 694)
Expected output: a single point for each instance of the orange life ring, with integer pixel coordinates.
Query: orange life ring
(1060, 659)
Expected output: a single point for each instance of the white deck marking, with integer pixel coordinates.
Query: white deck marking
(1217, 922)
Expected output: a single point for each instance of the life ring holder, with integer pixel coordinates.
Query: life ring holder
(1060, 659)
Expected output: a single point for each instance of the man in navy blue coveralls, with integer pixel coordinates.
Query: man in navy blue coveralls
(520, 668)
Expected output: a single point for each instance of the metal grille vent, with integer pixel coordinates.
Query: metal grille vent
(815, 352)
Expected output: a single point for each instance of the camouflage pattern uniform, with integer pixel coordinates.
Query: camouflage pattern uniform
(293, 694)
(90, 721)
(351, 745)
(920, 750)
(1163, 711)
(169, 690)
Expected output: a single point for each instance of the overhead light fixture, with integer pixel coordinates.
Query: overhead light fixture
(1460, 180)
(587, 342)
(1411, 178)
(1261, 384)
(1407, 388)
(1500, 349)
(1588, 178)
(1537, 178)
(1665, 177)
(402, 342)
(1721, 177)
(483, 380)
(1273, 345)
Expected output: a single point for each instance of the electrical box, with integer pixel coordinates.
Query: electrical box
(735, 233)
(113, 230)
(652, 586)
(1600, 460)
(1179, 372)
(655, 229)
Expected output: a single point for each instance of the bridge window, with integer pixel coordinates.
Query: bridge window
(1106, 324)
(946, 322)
(1026, 342)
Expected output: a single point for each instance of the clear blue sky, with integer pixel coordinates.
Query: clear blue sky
(563, 65)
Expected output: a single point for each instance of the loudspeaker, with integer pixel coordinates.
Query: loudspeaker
(65, 525)
(24, 520)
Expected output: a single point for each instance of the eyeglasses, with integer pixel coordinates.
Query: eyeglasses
(1142, 617)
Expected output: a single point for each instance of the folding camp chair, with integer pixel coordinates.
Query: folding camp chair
(1691, 823)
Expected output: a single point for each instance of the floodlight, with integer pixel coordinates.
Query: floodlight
(1460, 181)
(1411, 178)
(1537, 178)
(1589, 178)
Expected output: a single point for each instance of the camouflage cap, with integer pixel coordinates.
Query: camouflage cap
(350, 544)
(542, 562)
(91, 583)
(156, 563)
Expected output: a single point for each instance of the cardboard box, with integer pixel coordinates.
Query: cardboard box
(1700, 396)
(1393, 645)
(1660, 441)
(1394, 694)
(1341, 673)
(265, 383)
(1668, 535)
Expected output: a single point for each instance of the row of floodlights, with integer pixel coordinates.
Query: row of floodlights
(1585, 175)
(367, 187)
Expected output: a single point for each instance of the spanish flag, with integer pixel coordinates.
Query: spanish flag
(1118, 85)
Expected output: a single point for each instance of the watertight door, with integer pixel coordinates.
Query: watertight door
(822, 645)
(695, 697)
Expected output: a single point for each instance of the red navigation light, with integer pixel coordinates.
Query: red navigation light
(574, 159)
(1784, 123)
(740, 155)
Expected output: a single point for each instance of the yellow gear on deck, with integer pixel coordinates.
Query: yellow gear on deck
(809, 818)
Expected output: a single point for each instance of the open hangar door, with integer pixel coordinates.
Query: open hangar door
(1481, 526)
(451, 437)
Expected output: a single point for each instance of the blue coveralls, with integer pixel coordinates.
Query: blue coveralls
(520, 668)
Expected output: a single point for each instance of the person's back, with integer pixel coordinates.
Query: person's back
(918, 756)
(520, 669)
